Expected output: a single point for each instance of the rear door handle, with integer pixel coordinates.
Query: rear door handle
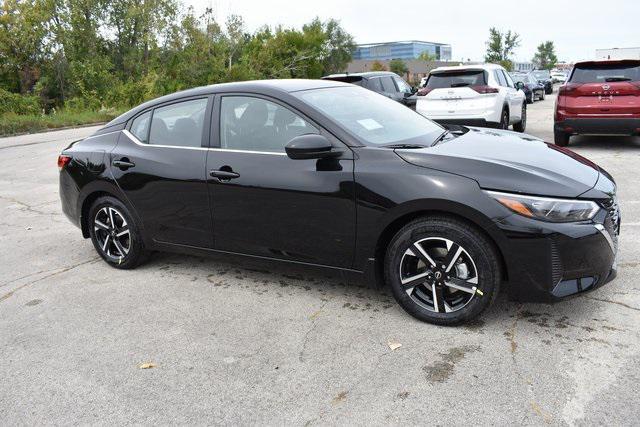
(123, 163)
(224, 175)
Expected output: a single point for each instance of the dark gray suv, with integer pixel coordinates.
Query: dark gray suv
(386, 83)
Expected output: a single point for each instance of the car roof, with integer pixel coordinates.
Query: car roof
(266, 87)
(486, 67)
(608, 61)
(366, 74)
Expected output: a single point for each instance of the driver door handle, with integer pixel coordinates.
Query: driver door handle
(224, 175)
(123, 163)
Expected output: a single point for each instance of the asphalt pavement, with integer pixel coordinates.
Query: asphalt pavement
(237, 342)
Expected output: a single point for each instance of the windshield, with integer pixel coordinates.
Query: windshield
(541, 74)
(373, 118)
(520, 78)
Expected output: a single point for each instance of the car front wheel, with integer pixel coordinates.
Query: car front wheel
(522, 124)
(442, 271)
(114, 234)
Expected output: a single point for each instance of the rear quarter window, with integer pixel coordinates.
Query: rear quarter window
(603, 73)
(450, 79)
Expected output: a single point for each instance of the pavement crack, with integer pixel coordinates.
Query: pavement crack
(613, 302)
(64, 270)
(314, 324)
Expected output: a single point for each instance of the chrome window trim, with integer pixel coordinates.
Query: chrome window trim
(230, 150)
(101, 134)
(138, 142)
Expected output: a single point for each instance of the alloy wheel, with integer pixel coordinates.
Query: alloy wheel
(523, 116)
(439, 275)
(112, 233)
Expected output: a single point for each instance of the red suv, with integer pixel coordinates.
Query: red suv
(599, 98)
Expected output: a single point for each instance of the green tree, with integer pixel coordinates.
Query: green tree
(378, 66)
(500, 47)
(545, 58)
(398, 66)
(427, 57)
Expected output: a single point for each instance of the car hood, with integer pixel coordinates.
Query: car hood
(509, 161)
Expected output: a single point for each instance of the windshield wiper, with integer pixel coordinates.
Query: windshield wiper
(404, 146)
(459, 84)
(442, 136)
(617, 79)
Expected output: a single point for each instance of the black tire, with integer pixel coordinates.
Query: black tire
(530, 99)
(561, 139)
(504, 119)
(522, 124)
(549, 90)
(484, 266)
(115, 235)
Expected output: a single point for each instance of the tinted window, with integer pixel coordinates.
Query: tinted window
(372, 117)
(254, 124)
(602, 73)
(402, 85)
(375, 85)
(388, 85)
(178, 124)
(541, 74)
(140, 126)
(508, 79)
(456, 79)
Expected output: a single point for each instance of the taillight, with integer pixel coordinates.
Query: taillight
(424, 91)
(485, 89)
(568, 88)
(63, 161)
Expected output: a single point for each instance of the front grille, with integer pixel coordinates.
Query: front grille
(612, 220)
(556, 264)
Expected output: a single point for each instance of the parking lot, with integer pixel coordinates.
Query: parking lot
(241, 342)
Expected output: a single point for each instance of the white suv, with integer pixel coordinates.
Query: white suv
(474, 95)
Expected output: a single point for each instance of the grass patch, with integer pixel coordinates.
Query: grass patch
(19, 123)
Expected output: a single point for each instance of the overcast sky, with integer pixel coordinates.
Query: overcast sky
(576, 27)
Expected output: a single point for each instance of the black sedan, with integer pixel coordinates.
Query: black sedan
(544, 78)
(530, 86)
(328, 174)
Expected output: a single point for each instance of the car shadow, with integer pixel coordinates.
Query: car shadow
(606, 143)
(295, 281)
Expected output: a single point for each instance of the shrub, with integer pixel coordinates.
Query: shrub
(18, 104)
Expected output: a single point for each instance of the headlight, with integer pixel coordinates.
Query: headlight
(547, 209)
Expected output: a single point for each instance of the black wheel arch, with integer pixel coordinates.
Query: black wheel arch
(443, 208)
(94, 190)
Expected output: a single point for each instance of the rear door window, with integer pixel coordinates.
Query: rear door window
(375, 85)
(388, 85)
(500, 78)
(444, 80)
(508, 79)
(606, 73)
(178, 124)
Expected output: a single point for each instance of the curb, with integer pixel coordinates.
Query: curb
(86, 125)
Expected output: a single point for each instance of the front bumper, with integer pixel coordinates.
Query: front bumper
(483, 123)
(548, 262)
(598, 126)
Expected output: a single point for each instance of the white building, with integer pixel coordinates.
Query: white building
(618, 53)
(525, 67)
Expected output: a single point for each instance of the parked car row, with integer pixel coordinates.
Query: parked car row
(597, 97)
(531, 87)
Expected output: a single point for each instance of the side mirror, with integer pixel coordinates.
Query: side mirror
(310, 146)
(519, 85)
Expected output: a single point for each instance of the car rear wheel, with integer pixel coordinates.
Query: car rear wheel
(115, 235)
(442, 271)
(522, 124)
(561, 138)
(504, 119)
